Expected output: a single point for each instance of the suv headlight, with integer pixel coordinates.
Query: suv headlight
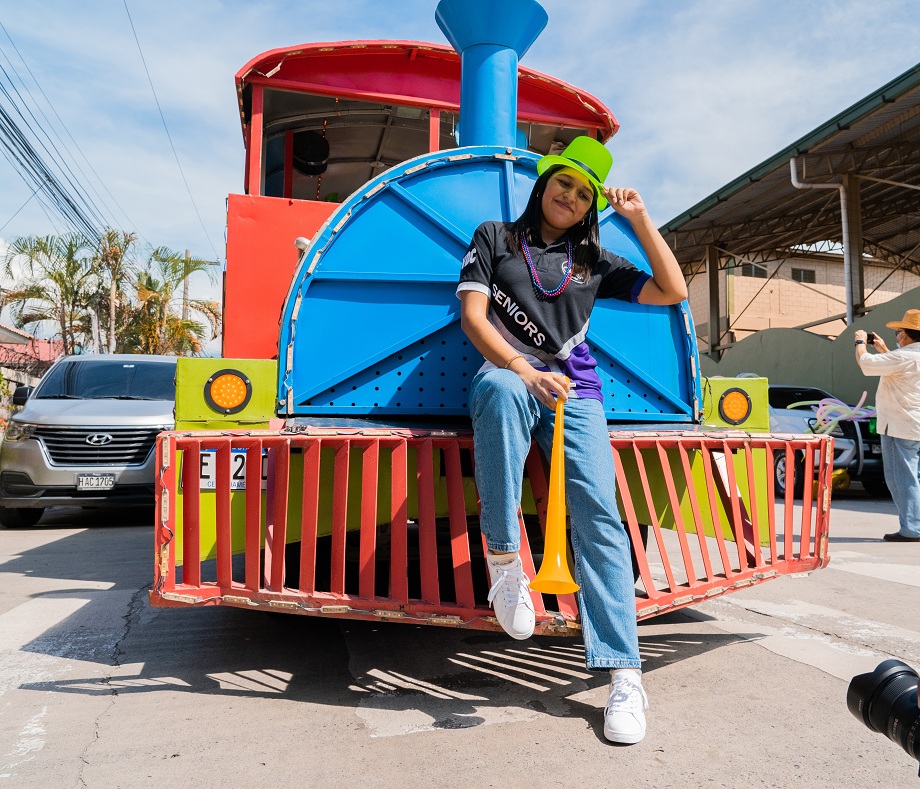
(18, 431)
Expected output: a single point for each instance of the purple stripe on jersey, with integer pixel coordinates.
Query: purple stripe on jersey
(637, 286)
(579, 367)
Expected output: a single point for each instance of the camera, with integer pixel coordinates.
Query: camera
(870, 338)
(885, 700)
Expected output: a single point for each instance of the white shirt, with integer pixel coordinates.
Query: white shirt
(898, 396)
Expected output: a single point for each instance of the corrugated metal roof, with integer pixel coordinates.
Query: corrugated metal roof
(877, 139)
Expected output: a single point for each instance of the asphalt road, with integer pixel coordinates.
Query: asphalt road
(98, 689)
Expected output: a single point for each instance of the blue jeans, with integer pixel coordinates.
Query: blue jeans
(505, 418)
(901, 458)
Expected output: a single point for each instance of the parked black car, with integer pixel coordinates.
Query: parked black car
(857, 448)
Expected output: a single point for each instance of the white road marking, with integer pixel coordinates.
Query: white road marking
(844, 625)
(27, 622)
(33, 585)
(31, 741)
(905, 574)
(820, 652)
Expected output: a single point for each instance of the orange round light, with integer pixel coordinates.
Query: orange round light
(735, 406)
(228, 391)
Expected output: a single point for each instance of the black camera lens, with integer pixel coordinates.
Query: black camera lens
(885, 700)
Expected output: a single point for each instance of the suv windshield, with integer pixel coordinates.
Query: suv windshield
(140, 380)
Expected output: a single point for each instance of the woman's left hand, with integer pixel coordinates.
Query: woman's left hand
(625, 201)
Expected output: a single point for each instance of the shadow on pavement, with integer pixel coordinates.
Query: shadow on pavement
(434, 678)
(95, 517)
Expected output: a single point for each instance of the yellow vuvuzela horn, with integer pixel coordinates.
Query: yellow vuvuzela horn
(554, 576)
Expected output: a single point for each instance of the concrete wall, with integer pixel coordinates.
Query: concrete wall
(798, 357)
(753, 304)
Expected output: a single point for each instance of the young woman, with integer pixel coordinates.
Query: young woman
(527, 290)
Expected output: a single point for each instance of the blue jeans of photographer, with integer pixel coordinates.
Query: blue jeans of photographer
(505, 418)
(901, 459)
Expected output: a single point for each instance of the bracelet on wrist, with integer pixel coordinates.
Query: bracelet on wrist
(513, 358)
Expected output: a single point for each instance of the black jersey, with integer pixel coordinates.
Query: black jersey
(550, 333)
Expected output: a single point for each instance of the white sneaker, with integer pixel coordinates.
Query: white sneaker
(510, 598)
(624, 716)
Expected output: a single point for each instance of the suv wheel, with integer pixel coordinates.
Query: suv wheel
(21, 518)
(780, 477)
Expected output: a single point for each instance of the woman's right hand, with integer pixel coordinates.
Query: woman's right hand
(474, 320)
(544, 385)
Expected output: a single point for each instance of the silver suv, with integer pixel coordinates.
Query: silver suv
(86, 435)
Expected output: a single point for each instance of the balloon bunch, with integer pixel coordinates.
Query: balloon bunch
(830, 411)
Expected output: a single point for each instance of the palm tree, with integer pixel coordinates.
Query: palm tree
(155, 326)
(114, 266)
(54, 281)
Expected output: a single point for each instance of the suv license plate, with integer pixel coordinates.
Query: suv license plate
(95, 481)
(875, 449)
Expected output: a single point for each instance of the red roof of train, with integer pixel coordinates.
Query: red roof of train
(390, 71)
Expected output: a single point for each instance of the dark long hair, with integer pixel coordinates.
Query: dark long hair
(585, 236)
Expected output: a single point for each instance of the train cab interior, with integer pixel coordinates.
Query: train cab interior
(323, 148)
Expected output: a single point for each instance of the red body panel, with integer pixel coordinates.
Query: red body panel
(261, 257)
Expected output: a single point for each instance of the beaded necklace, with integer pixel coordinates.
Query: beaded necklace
(542, 293)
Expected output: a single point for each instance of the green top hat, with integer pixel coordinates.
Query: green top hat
(589, 157)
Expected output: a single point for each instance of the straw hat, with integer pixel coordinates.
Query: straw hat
(589, 157)
(911, 320)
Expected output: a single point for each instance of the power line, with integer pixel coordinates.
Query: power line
(28, 200)
(51, 152)
(64, 127)
(75, 192)
(62, 192)
(168, 136)
(32, 169)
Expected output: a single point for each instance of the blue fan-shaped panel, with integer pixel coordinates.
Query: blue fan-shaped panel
(371, 325)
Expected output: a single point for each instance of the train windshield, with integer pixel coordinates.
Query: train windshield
(333, 145)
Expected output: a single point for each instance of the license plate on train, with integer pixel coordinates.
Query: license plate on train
(95, 481)
(207, 469)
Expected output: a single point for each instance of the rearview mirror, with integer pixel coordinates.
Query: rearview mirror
(22, 394)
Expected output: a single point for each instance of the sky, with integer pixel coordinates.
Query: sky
(703, 89)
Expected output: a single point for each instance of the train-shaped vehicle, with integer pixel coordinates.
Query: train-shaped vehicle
(324, 465)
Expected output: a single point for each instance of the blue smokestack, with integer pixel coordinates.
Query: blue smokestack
(490, 36)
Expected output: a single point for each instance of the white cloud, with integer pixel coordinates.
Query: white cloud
(706, 90)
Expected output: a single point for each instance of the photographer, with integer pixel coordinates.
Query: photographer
(898, 404)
